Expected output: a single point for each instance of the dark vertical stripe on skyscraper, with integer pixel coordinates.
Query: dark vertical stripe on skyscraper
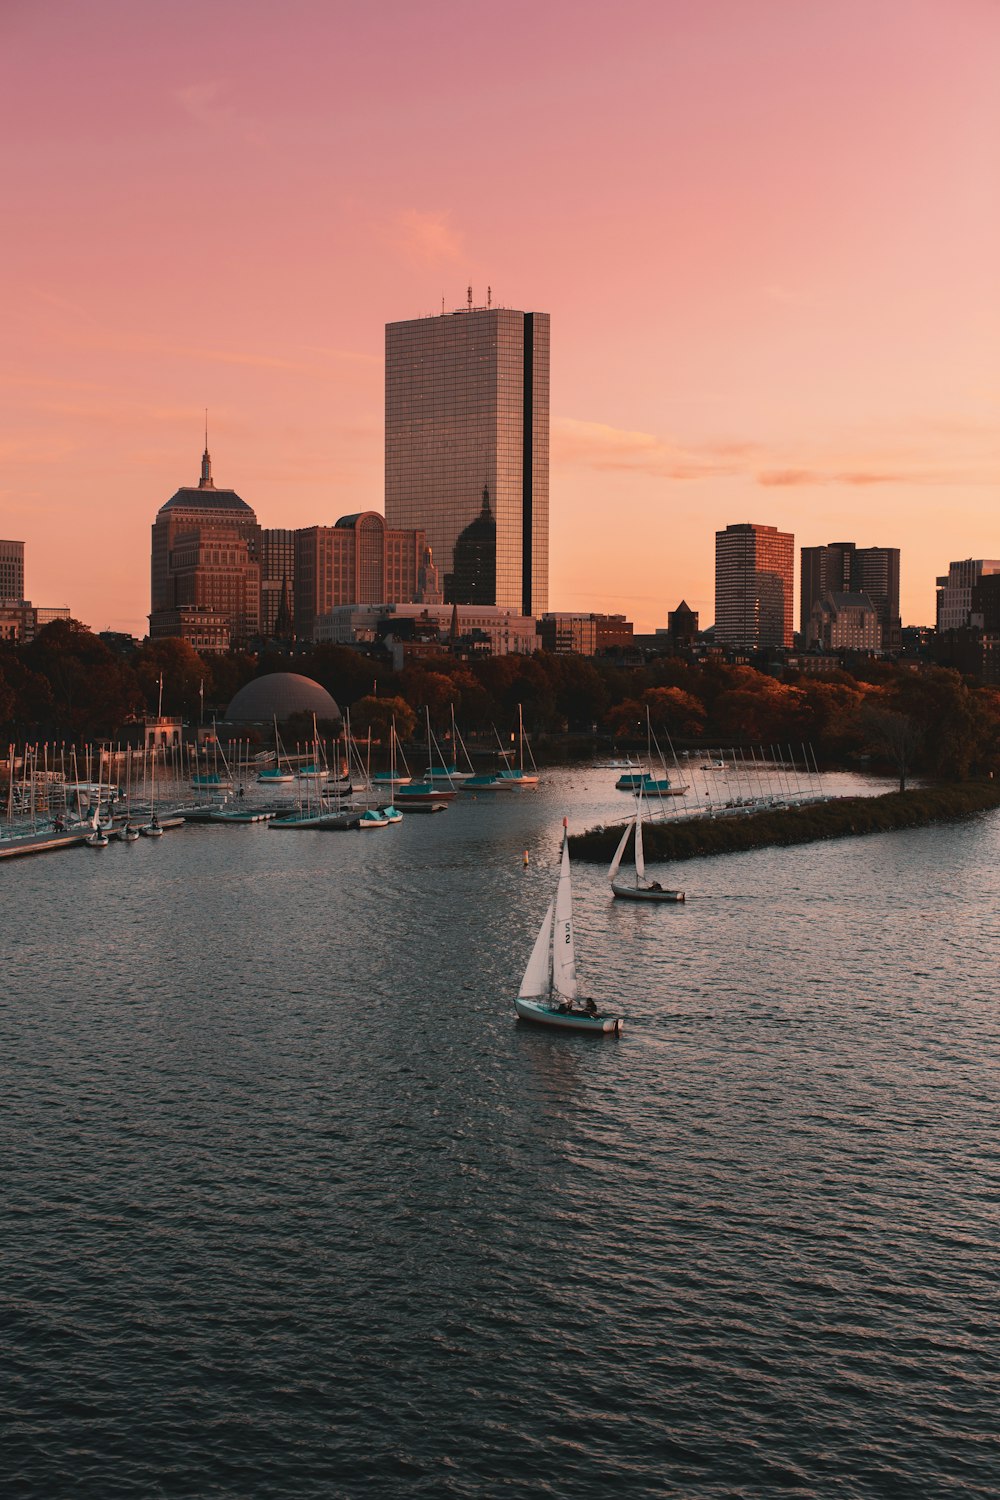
(527, 462)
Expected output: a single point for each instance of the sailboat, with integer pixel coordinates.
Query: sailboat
(517, 775)
(278, 774)
(152, 829)
(639, 889)
(448, 771)
(426, 791)
(128, 832)
(548, 992)
(648, 780)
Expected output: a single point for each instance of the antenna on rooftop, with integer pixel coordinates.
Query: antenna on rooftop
(469, 295)
(442, 304)
(489, 296)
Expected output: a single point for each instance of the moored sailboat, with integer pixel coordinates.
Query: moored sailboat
(426, 790)
(549, 989)
(641, 888)
(518, 775)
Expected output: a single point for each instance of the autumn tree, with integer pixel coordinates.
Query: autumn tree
(92, 692)
(674, 710)
(379, 714)
(182, 671)
(892, 735)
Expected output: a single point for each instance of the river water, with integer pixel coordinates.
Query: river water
(294, 1207)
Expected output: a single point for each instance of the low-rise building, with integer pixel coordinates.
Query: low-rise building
(20, 620)
(507, 633)
(565, 632)
(207, 630)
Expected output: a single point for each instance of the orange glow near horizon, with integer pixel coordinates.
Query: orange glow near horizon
(768, 238)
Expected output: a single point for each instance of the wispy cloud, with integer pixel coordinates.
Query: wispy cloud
(428, 236)
(346, 356)
(245, 357)
(596, 445)
(860, 478)
(206, 104)
(616, 449)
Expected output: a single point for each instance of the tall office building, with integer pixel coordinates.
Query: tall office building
(754, 580)
(844, 568)
(205, 574)
(12, 570)
(467, 407)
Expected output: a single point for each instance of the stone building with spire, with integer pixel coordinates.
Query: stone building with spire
(205, 566)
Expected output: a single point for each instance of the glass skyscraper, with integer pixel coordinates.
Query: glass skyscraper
(467, 408)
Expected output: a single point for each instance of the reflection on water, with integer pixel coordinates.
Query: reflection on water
(295, 1207)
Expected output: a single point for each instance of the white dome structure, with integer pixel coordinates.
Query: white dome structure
(278, 696)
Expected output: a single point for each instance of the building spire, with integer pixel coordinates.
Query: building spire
(206, 482)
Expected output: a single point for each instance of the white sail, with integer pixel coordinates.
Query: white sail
(640, 863)
(613, 870)
(536, 976)
(563, 950)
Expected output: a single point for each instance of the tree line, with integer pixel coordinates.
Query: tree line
(68, 685)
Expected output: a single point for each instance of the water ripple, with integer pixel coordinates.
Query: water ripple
(292, 1206)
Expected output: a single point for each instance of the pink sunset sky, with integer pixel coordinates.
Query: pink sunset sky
(767, 231)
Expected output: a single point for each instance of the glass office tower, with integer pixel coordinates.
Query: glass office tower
(467, 407)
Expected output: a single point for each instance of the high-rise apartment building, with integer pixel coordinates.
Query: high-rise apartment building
(361, 560)
(205, 583)
(754, 580)
(955, 589)
(467, 406)
(844, 568)
(12, 571)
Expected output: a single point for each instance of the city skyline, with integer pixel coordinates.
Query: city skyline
(766, 242)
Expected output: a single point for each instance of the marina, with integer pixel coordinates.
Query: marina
(48, 807)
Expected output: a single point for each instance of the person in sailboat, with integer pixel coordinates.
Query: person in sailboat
(590, 1006)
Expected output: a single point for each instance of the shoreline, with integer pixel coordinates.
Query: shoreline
(843, 817)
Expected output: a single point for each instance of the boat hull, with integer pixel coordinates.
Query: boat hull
(643, 893)
(419, 792)
(572, 1020)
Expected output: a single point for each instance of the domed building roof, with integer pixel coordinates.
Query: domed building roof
(278, 696)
